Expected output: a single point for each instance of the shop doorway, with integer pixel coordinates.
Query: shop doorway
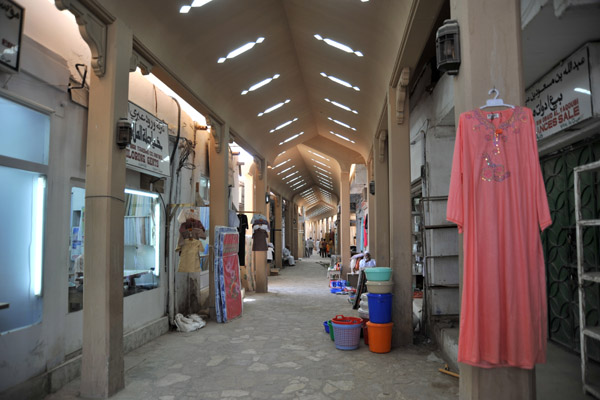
(560, 245)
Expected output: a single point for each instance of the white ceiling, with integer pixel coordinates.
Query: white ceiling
(189, 45)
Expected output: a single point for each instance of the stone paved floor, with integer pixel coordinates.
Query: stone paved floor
(278, 350)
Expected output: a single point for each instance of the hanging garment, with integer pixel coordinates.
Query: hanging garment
(260, 232)
(190, 226)
(366, 231)
(243, 225)
(189, 259)
(498, 199)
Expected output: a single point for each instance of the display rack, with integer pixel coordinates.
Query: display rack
(585, 278)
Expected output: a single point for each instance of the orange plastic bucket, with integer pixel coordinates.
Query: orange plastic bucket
(380, 337)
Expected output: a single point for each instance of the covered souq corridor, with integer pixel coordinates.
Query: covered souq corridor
(137, 136)
(279, 350)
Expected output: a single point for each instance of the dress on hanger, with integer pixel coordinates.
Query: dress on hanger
(498, 199)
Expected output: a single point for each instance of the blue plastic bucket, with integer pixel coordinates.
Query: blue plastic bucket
(380, 308)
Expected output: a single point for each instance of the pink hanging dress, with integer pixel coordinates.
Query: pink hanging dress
(498, 200)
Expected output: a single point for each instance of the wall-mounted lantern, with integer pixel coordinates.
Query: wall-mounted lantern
(447, 47)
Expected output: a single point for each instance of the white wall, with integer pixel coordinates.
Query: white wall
(51, 47)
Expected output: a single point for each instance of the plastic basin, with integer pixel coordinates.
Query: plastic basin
(378, 273)
(379, 286)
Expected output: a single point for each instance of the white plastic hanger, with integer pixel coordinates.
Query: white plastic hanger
(495, 102)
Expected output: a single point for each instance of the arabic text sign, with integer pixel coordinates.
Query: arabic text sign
(148, 150)
(562, 98)
(11, 24)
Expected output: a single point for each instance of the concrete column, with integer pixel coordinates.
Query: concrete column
(102, 369)
(380, 221)
(491, 57)
(344, 223)
(218, 161)
(260, 257)
(276, 232)
(400, 217)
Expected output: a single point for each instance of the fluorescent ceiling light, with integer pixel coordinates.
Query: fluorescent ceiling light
(322, 163)
(307, 191)
(342, 106)
(291, 138)
(281, 163)
(339, 46)
(285, 170)
(157, 247)
(140, 193)
(200, 3)
(240, 50)
(324, 170)
(339, 81)
(581, 90)
(292, 180)
(273, 108)
(260, 84)
(185, 106)
(280, 154)
(297, 183)
(185, 9)
(341, 123)
(284, 125)
(342, 137)
(296, 188)
(318, 155)
(36, 249)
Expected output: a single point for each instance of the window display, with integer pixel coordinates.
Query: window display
(141, 251)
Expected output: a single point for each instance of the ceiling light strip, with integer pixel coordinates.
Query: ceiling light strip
(342, 106)
(340, 81)
(273, 108)
(284, 125)
(240, 50)
(342, 137)
(291, 138)
(260, 84)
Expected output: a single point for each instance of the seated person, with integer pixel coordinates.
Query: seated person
(287, 256)
(366, 262)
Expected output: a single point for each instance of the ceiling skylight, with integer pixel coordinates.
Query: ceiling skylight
(292, 180)
(296, 188)
(297, 183)
(291, 138)
(324, 170)
(185, 9)
(319, 162)
(342, 137)
(340, 105)
(318, 155)
(284, 125)
(285, 170)
(338, 45)
(281, 163)
(292, 174)
(339, 81)
(240, 50)
(273, 108)
(260, 84)
(341, 123)
(200, 3)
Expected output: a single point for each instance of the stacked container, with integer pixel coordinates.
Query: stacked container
(380, 323)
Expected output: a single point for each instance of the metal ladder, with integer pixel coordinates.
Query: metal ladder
(583, 278)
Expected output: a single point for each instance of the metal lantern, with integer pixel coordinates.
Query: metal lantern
(447, 47)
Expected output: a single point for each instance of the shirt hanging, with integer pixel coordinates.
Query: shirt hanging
(498, 199)
(243, 225)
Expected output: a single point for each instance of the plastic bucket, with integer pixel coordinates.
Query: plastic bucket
(347, 336)
(378, 274)
(330, 329)
(326, 325)
(380, 337)
(380, 308)
(365, 331)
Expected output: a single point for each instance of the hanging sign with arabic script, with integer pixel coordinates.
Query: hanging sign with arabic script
(11, 26)
(148, 151)
(562, 98)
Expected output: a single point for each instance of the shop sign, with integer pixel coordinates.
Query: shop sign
(562, 98)
(148, 151)
(11, 26)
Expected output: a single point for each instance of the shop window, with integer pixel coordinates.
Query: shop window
(24, 134)
(142, 237)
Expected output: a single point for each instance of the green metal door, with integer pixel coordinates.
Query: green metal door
(560, 247)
